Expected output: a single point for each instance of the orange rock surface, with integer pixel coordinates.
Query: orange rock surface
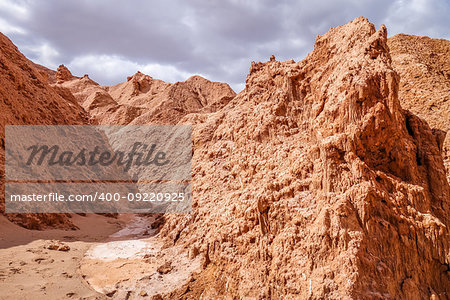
(26, 98)
(314, 182)
(424, 67)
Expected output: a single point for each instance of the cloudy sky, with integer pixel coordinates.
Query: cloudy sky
(174, 39)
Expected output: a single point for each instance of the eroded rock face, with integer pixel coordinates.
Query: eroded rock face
(314, 182)
(424, 67)
(26, 98)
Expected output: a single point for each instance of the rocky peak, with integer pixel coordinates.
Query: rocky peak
(195, 95)
(141, 83)
(63, 74)
(196, 78)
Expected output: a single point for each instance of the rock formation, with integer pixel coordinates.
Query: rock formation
(195, 95)
(314, 183)
(63, 74)
(26, 98)
(424, 67)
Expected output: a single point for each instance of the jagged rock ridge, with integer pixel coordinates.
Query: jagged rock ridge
(145, 100)
(314, 182)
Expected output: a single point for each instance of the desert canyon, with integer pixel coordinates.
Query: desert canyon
(326, 178)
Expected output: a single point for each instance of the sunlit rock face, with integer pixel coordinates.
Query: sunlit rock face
(27, 98)
(314, 181)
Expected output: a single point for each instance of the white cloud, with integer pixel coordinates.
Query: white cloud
(43, 54)
(18, 9)
(173, 39)
(112, 69)
(419, 17)
(7, 28)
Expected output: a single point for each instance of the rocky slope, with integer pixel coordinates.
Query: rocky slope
(26, 98)
(34, 94)
(143, 99)
(315, 183)
(424, 67)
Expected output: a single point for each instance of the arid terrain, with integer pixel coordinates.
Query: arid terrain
(326, 178)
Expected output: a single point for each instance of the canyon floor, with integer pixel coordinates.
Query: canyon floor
(29, 270)
(98, 261)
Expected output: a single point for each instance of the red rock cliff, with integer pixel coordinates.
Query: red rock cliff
(314, 182)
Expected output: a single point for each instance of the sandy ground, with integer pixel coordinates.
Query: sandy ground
(108, 259)
(28, 270)
(134, 264)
